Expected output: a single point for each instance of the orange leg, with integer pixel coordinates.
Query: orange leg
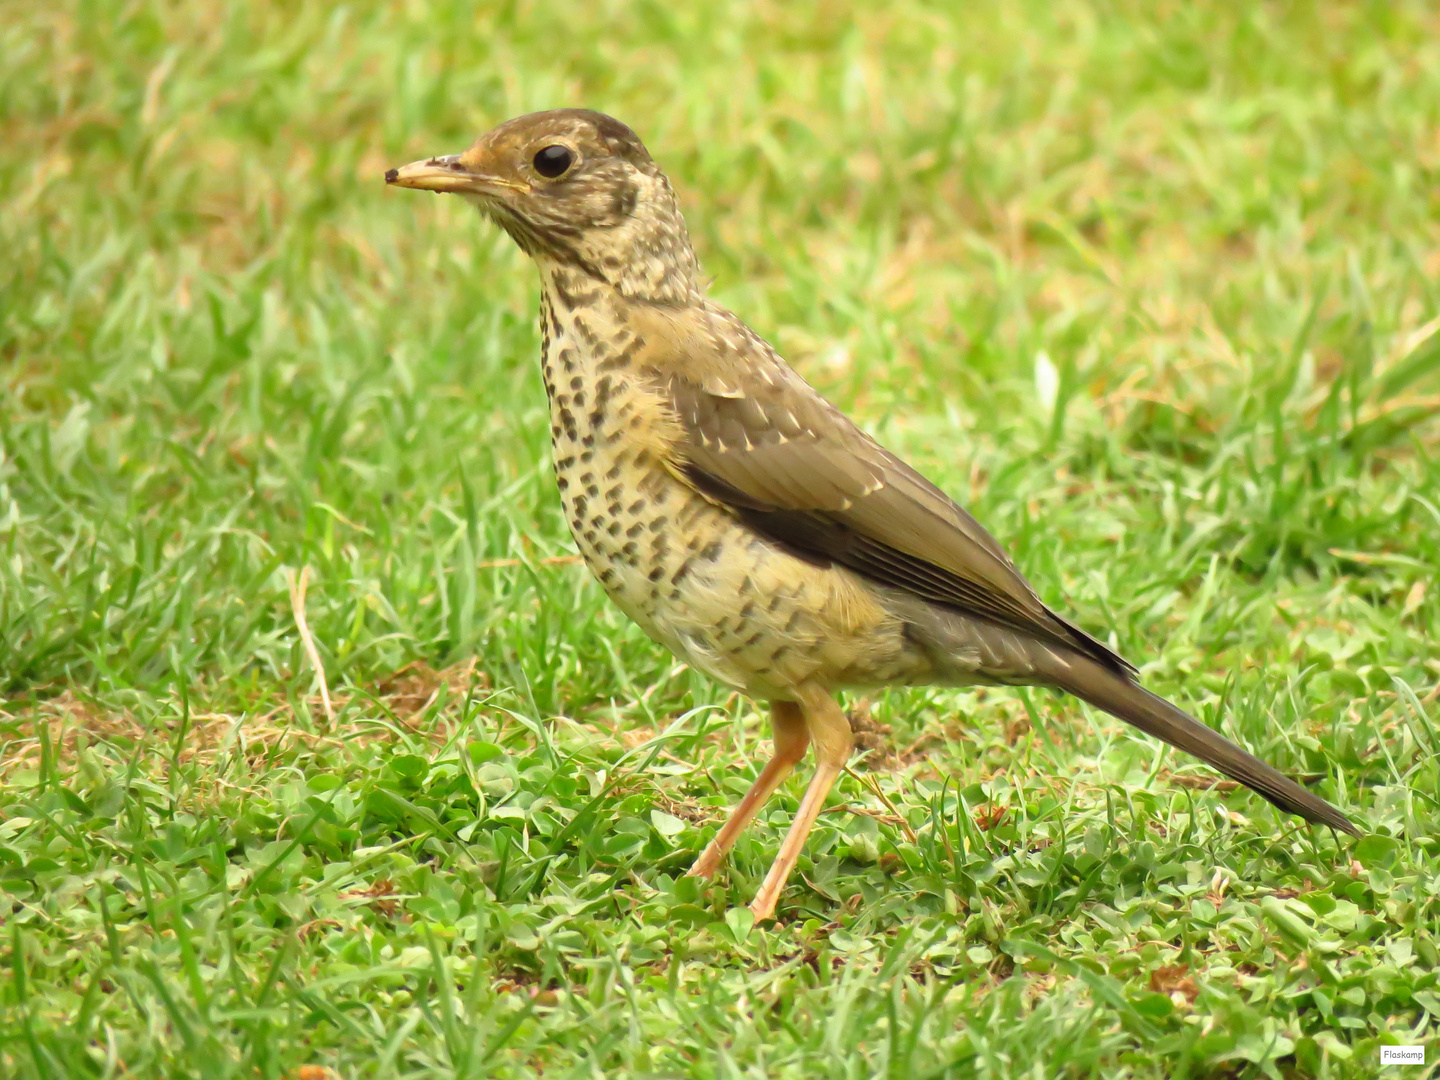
(791, 739)
(828, 727)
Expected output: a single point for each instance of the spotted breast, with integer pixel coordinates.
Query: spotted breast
(735, 605)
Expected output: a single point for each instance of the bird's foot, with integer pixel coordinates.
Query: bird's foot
(763, 907)
(708, 862)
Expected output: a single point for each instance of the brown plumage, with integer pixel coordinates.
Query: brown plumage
(739, 518)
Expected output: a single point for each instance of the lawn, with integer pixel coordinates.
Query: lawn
(1153, 289)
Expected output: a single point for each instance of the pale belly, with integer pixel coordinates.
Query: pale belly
(725, 600)
(695, 579)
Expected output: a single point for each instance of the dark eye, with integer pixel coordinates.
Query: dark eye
(553, 161)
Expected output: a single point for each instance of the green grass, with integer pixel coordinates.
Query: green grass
(230, 354)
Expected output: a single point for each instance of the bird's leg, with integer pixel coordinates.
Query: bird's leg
(830, 730)
(791, 739)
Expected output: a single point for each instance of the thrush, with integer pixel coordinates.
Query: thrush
(739, 518)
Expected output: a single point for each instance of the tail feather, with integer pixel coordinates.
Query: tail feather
(965, 649)
(1121, 697)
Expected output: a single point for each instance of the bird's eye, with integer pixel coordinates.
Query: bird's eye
(553, 161)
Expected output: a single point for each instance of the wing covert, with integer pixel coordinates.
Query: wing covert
(760, 440)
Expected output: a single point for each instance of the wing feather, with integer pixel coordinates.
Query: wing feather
(758, 439)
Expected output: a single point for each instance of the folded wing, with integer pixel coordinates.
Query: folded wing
(798, 471)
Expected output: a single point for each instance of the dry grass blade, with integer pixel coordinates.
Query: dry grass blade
(298, 586)
(549, 560)
(873, 785)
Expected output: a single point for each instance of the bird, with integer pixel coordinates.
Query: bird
(740, 519)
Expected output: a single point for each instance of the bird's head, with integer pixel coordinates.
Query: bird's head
(578, 191)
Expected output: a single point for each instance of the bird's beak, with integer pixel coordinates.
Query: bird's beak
(448, 174)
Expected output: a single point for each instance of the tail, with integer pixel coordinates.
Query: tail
(1119, 696)
(962, 647)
